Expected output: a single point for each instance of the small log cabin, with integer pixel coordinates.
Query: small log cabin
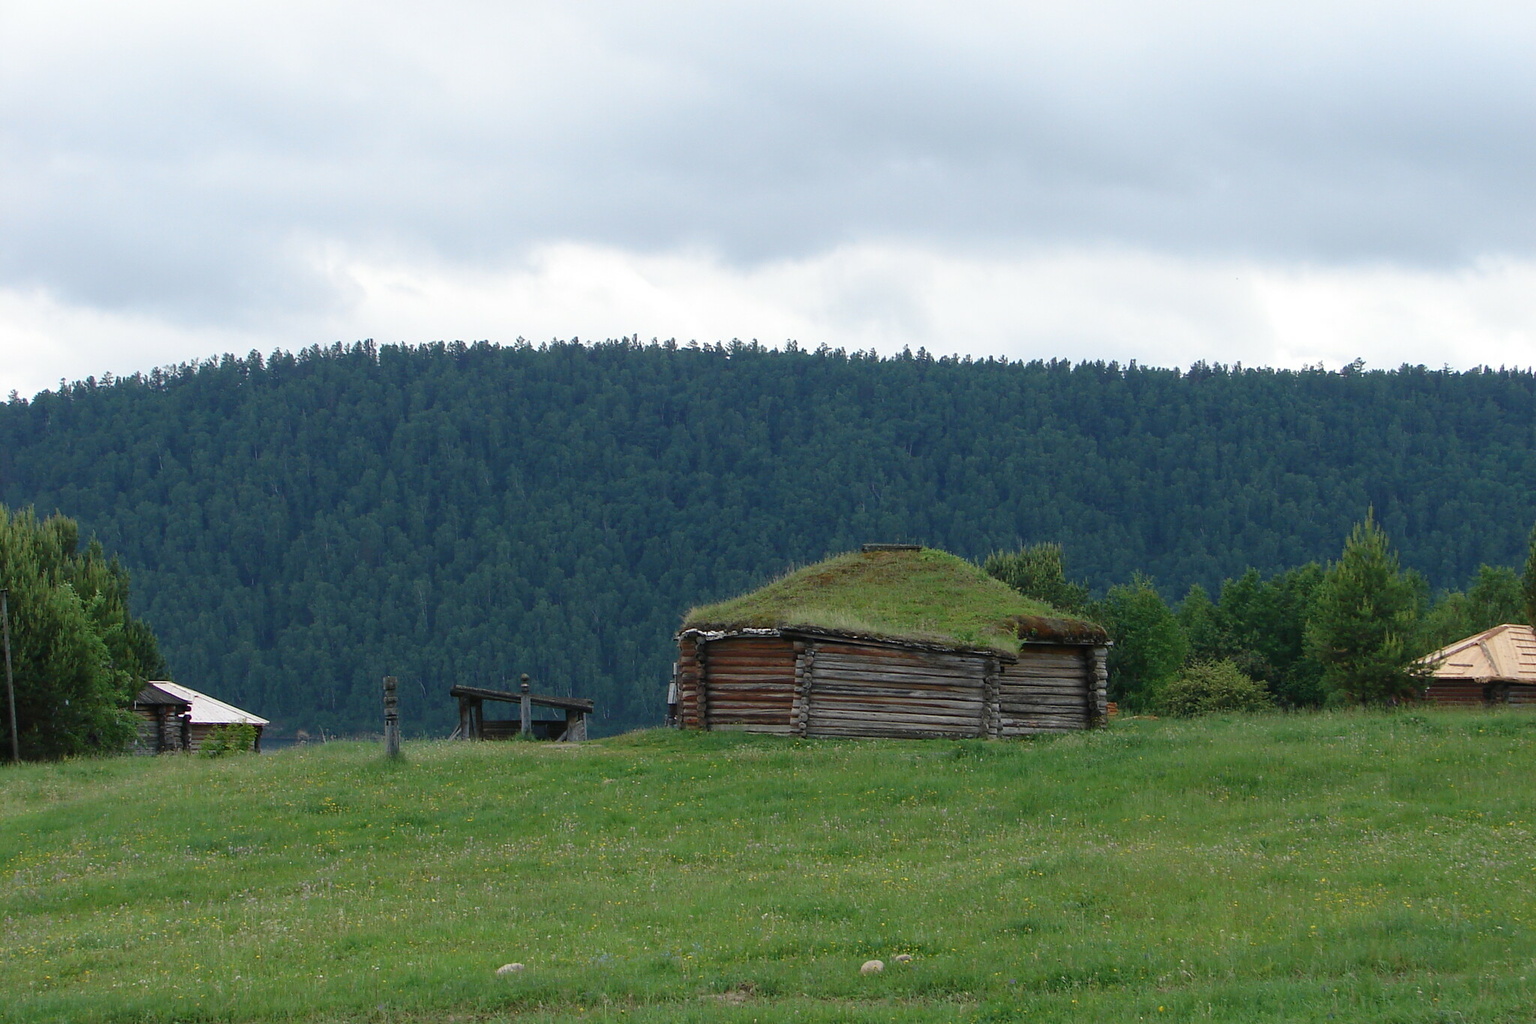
(893, 641)
(1497, 666)
(164, 721)
(176, 717)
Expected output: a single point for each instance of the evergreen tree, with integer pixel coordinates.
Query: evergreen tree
(1364, 616)
(1038, 571)
(301, 524)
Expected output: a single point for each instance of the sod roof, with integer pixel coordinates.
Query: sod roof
(918, 596)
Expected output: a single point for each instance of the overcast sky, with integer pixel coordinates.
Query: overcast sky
(1272, 184)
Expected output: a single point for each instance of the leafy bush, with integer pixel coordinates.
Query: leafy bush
(232, 738)
(1149, 642)
(1213, 686)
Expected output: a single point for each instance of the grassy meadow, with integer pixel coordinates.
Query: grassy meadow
(1341, 866)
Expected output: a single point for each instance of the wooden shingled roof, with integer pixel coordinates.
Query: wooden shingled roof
(1503, 654)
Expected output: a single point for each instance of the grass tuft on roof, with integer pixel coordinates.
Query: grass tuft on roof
(923, 596)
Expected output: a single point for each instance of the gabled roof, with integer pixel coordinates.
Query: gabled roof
(207, 710)
(1504, 654)
(902, 593)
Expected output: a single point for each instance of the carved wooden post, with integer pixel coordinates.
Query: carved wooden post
(527, 708)
(391, 719)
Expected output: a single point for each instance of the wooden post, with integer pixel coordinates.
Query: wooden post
(391, 719)
(10, 686)
(526, 728)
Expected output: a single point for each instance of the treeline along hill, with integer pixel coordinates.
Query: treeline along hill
(299, 525)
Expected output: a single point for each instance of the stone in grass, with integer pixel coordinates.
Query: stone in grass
(872, 967)
(509, 968)
(902, 958)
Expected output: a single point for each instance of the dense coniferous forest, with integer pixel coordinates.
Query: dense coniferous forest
(299, 525)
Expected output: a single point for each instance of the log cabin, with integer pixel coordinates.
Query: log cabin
(163, 719)
(893, 641)
(1496, 666)
(176, 717)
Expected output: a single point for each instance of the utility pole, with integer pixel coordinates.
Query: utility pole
(10, 685)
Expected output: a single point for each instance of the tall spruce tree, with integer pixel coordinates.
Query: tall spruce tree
(1364, 617)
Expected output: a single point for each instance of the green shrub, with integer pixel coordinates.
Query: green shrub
(233, 738)
(1213, 686)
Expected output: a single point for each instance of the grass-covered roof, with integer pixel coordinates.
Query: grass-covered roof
(923, 596)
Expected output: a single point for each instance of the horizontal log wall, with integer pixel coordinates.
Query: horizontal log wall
(750, 684)
(1051, 688)
(865, 690)
(816, 687)
(1456, 694)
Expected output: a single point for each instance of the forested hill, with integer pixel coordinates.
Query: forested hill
(301, 525)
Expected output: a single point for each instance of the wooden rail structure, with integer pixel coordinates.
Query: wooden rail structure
(473, 724)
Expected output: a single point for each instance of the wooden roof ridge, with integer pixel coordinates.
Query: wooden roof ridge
(1504, 653)
(584, 704)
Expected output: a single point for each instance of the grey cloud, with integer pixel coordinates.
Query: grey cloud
(195, 170)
